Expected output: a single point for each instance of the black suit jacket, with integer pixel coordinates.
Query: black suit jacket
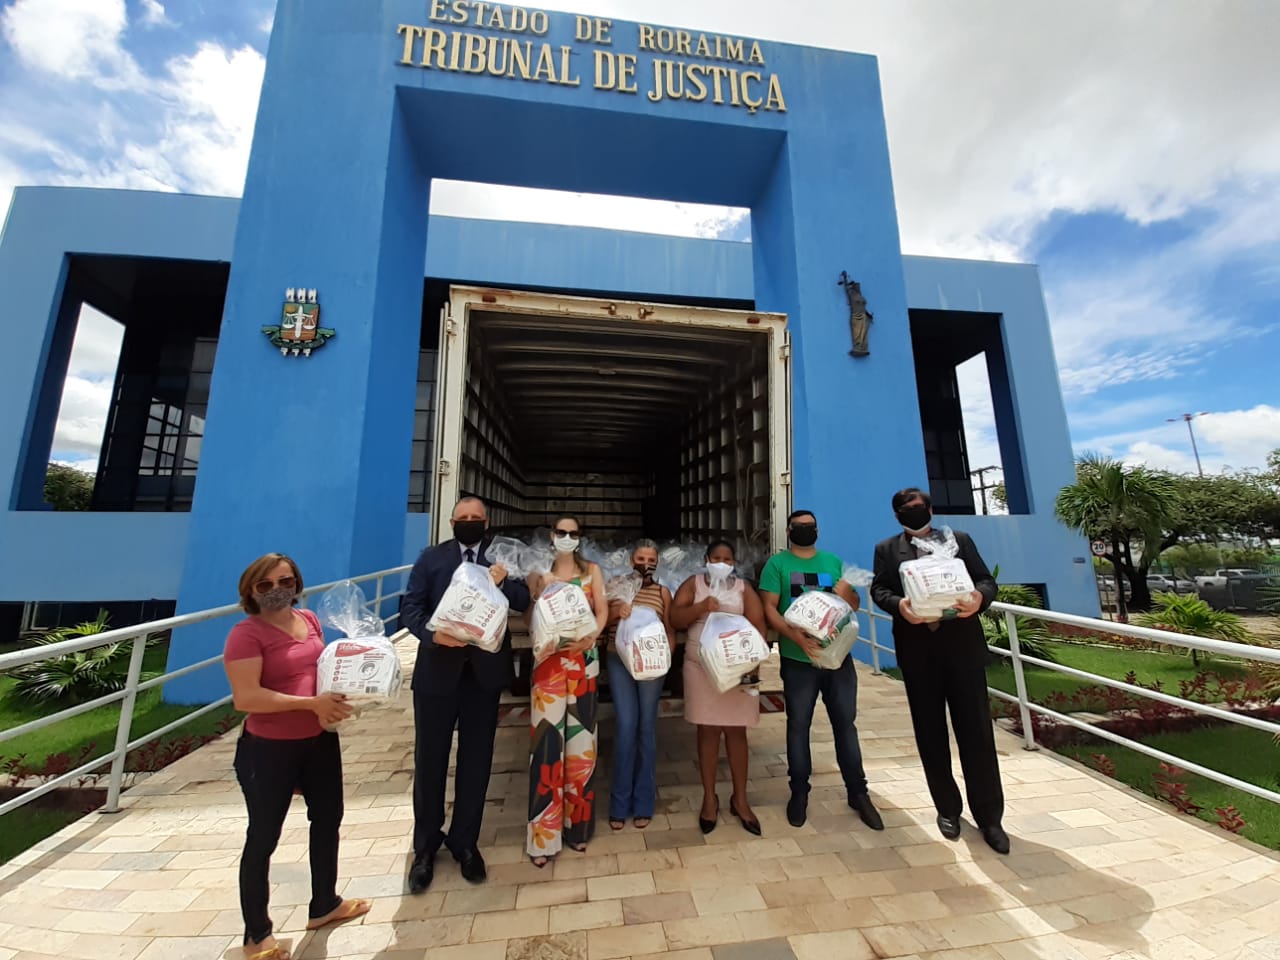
(438, 669)
(887, 591)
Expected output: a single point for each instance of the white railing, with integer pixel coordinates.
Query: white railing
(134, 684)
(1026, 707)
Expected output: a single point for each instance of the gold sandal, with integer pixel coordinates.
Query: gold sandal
(346, 910)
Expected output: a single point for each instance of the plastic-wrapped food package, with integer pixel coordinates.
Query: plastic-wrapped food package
(362, 666)
(561, 617)
(472, 609)
(642, 645)
(730, 649)
(829, 621)
(935, 584)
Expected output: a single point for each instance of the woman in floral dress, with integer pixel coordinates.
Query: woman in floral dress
(564, 697)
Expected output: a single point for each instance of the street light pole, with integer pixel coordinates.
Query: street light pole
(1188, 417)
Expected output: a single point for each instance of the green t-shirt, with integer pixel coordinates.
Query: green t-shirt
(789, 576)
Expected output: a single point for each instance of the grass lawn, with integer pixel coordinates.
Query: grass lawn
(1245, 754)
(97, 726)
(1169, 669)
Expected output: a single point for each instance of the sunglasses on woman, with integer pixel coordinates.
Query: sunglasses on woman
(575, 534)
(285, 583)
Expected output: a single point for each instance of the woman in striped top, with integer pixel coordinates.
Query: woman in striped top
(633, 789)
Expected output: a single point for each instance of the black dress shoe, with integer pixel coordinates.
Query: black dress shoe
(751, 826)
(798, 809)
(949, 826)
(420, 874)
(708, 825)
(996, 838)
(867, 811)
(472, 865)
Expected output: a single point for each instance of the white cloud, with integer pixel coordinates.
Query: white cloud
(153, 13)
(490, 202)
(1229, 439)
(82, 416)
(72, 39)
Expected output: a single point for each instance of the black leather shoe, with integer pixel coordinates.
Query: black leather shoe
(996, 839)
(422, 871)
(705, 825)
(867, 811)
(472, 865)
(751, 826)
(798, 809)
(949, 826)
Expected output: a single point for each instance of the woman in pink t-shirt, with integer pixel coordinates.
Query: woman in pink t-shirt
(270, 659)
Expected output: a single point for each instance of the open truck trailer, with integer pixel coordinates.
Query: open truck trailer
(640, 419)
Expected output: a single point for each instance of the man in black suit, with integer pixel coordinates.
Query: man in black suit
(454, 683)
(943, 665)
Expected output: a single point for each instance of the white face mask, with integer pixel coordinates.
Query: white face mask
(719, 571)
(564, 544)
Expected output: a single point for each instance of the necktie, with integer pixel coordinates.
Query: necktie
(471, 555)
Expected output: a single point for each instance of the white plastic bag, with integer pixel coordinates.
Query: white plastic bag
(506, 552)
(730, 649)
(829, 620)
(935, 584)
(363, 669)
(642, 645)
(363, 666)
(562, 616)
(472, 609)
(623, 588)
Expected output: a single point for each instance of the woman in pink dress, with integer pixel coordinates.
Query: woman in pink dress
(718, 714)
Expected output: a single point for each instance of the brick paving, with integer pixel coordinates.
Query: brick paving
(1096, 871)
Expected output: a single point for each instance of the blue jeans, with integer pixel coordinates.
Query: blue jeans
(801, 684)
(633, 788)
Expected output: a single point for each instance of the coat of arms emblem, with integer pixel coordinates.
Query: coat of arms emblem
(299, 330)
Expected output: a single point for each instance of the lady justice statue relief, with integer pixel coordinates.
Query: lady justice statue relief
(859, 317)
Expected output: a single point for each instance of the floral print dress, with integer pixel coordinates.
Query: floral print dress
(562, 767)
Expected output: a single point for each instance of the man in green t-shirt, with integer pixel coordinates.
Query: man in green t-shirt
(786, 576)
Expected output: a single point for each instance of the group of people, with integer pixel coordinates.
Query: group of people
(288, 744)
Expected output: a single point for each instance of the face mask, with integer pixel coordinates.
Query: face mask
(719, 571)
(804, 534)
(914, 518)
(468, 532)
(645, 570)
(564, 544)
(275, 599)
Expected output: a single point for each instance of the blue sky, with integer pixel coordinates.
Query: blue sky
(1129, 149)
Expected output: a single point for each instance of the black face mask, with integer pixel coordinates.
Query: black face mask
(468, 532)
(804, 534)
(645, 570)
(915, 517)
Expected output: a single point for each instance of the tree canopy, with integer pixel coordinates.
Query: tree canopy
(66, 488)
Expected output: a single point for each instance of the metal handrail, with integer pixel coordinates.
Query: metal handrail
(1026, 707)
(134, 684)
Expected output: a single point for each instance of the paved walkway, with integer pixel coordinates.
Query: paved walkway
(1096, 870)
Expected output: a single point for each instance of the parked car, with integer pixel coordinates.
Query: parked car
(1160, 583)
(1220, 577)
(1234, 588)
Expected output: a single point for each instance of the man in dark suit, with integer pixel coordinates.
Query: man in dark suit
(943, 665)
(454, 683)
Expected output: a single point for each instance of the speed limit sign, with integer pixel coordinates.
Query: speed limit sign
(1098, 548)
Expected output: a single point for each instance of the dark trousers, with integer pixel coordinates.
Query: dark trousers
(269, 771)
(943, 671)
(474, 710)
(801, 684)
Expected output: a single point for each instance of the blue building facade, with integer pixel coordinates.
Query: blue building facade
(313, 455)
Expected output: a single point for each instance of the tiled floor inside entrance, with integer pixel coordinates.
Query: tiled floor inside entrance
(1096, 871)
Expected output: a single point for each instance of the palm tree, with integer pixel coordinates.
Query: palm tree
(1192, 616)
(75, 677)
(1033, 635)
(1113, 502)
